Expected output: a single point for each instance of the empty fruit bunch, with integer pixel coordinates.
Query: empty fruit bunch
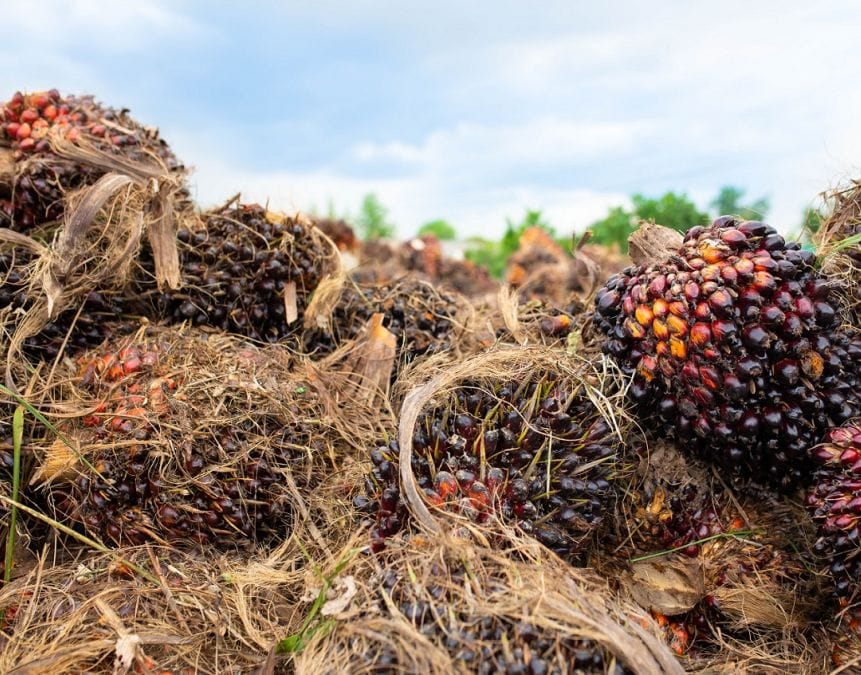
(735, 348)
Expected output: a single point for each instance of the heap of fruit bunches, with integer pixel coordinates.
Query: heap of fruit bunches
(735, 348)
(243, 271)
(834, 502)
(537, 454)
(492, 643)
(420, 317)
(155, 478)
(34, 194)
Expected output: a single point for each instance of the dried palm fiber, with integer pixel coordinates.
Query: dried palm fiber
(716, 566)
(439, 604)
(422, 319)
(838, 242)
(185, 438)
(36, 174)
(247, 271)
(65, 288)
(513, 439)
(211, 613)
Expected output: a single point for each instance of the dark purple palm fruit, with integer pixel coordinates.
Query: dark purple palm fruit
(537, 454)
(84, 326)
(244, 270)
(34, 178)
(834, 502)
(421, 317)
(732, 340)
(478, 642)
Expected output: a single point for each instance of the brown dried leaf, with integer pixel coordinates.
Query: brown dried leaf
(653, 242)
(669, 587)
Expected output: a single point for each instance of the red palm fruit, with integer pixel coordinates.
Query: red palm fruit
(421, 317)
(767, 330)
(244, 270)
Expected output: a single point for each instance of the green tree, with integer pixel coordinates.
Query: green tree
(494, 255)
(441, 229)
(671, 210)
(615, 228)
(728, 203)
(372, 222)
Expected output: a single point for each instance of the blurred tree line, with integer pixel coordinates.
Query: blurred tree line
(674, 210)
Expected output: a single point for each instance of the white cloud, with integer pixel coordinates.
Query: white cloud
(117, 26)
(540, 141)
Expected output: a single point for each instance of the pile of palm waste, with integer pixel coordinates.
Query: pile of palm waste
(234, 440)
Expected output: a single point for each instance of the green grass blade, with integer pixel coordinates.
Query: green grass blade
(84, 539)
(17, 436)
(736, 534)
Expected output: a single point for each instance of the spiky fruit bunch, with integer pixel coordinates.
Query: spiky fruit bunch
(37, 178)
(77, 329)
(734, 345)
(170, 481)
(537, 454)
(420, 317)
(491, 643)
(834, 502)
(244, 270)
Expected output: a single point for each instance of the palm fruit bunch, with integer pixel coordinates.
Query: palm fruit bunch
(420, 317)
(495, 642)
(734, 347)
(245, 271)
(36, 178)
(339, 231)
(153, 474)
(536, 453)
(101, 314)
(834, 502)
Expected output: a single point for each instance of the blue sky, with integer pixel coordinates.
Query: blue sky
(470, 111)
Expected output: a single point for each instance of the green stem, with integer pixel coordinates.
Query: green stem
(17, 435)
(84, 539)
(720, 535)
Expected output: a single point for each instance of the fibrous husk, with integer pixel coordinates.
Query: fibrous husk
(838, 241)
(443, 605)
(187, 438)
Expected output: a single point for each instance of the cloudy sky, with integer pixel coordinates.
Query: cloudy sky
(470, 111)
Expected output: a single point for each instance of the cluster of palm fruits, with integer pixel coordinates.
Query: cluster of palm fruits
(153, 477)
(834, 502)
(245, 271)
(97, 318)
(667, 515)
(491, 643)
(420, 317)
(537, 454)
(734, 345)
(34, 194)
